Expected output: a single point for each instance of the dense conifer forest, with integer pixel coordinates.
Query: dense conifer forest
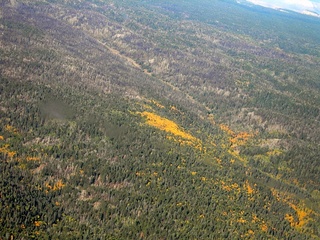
(158, 120)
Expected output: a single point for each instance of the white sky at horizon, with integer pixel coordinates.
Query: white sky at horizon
(294, 5)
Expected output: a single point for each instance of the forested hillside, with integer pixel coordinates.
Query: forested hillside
(158, 120)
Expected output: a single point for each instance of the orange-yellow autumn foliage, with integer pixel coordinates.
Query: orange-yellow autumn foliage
(11, 129)
(290, 219)
(56, 186)
(37, 223)
(33, 159)
(226, 129)
(236, 139)
(166, 125)
(249, 189)
(171, 127)
(303, 213)
(241, 138)
(159, 105)
(264, 227)
(5, 150)
(241, 220)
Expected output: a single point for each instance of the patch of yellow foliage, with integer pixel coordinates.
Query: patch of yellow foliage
(264, 227)
(37, 223)
(56, 186)
(248, 235)
(230, 186)
(236, 139)
(274, 152)
(11, 154)
(290, 219)
(236, 155)
(166, 125)
(5, 150)
(255, 218)
(249, 189)
(262, 223)
(303, 213)
(226, 129)
(171, 127)
(1, 137)
(179, 204)
(241, 138)
(11, 129)
(139, 174)
(159, 105)
(34, 159)
(241, 220)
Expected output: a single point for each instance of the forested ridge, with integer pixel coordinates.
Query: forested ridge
(158, 120)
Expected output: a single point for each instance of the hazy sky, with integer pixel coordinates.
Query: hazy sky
(294, 5)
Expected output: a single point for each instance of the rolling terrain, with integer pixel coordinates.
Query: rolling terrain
(158, 120)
